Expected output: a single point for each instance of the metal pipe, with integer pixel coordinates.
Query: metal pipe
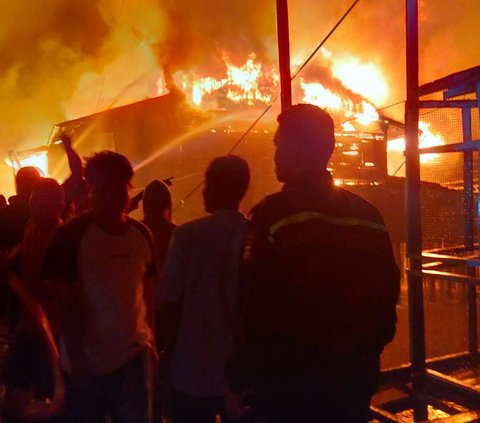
(284, 53)
(469, 227)
(412, 200)
(468, 201)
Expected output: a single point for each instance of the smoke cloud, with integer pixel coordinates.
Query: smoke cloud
(375, 32)
(199, 33)
(65, 59)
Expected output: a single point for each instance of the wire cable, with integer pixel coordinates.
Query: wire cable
(250, 128)
(252, 125)
(377, 110)
(339, 22)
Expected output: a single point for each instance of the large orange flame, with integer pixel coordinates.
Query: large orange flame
(426, 139)
(315, 93)
(254, 83)
(241, 84)
(365, 79)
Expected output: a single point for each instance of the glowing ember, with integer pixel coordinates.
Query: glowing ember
(426, 139)
(249, 83)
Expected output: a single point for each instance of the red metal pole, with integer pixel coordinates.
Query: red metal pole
(284, 53)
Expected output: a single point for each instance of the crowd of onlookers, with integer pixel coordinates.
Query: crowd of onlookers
(277, 318)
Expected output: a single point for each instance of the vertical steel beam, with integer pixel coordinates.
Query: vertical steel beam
(478, 170)
(472, 303)
(469, 230)
(284, 53)
(412, 198)
(468, 201)
(478, 95)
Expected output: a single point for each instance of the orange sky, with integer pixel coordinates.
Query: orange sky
(64, 59)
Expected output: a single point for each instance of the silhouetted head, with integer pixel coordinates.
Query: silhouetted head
(108, 175)
(157, 200)
(3, 201)
(80, 197)
(26, 179)
(226, 182)
(304, 141)
(47, 200)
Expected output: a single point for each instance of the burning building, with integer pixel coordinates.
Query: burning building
(178, 133)
(204, 71)
(164, 137)
(70, 60)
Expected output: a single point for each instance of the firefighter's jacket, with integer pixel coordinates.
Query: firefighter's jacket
(321, 289)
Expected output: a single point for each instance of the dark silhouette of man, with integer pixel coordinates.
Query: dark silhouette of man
(103, 265)
(3, 202)
(199, 292)
(14, 217)
(157, 215)
(322, 288)
(28, 372)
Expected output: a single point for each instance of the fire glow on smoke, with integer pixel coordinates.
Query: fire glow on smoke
(63, 60)
(66, 59)
(254, 84)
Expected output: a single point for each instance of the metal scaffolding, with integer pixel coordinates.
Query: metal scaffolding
(455, 260)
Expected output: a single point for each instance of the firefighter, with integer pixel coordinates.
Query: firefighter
(322, 288)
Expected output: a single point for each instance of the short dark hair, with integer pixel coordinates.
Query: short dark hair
(310, 128)
(228, 177)
(26, 179)
(47, 198)
(108, 167)
(157, 196)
